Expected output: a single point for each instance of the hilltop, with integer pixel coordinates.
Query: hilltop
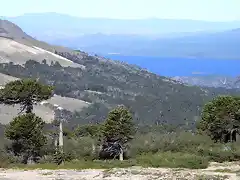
(16, 46)
(101, 84)
(42, 24)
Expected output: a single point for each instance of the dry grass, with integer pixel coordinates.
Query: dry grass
(67, 103)
(4, 79)
(12, 51)
(7, 113)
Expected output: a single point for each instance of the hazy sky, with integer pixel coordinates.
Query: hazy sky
(213, 10)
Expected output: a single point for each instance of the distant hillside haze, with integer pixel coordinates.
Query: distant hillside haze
(218, 45)
(144, 37)
(60, 23)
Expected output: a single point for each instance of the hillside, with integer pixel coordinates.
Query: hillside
(209, 81)
(16, 46)
(102, 84)
(44, 109)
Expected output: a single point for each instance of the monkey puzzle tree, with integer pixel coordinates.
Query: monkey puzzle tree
(118, 128)
(25, 131)
(220, 116)
(26, 134)
(26, 93)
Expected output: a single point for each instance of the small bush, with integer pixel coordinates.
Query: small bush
(174, 142)
(175, 150)
(186, 143)
(80, 148)
(5, 159)
(172, 160)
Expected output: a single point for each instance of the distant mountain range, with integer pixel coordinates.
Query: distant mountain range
(218, 45)
(63, 25)
(146, 37)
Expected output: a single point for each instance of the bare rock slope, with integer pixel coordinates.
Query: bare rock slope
(18, 47)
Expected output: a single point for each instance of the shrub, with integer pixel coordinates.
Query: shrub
(4, 160)
(172, 160)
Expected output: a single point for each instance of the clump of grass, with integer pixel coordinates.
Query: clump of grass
(81, 165)
(223, 170)
(172, 160)
(187, 143)
(211, 177)
(47, 173)
(160, 159)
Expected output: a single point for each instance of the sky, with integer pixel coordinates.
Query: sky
(208, 10)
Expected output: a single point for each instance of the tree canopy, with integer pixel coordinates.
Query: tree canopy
(92, 130)
(26, 134)
(118, 125)
(25, 92)
(220, 116)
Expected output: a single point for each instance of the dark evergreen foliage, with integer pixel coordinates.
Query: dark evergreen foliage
(220, 116)
(25, 92)
(26, 134)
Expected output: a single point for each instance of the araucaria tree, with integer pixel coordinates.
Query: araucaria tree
(25, 131)
(26, 93)
(118, 129)
(221, 118)
(26, 134)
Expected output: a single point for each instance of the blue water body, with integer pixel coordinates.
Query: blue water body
(183, 66)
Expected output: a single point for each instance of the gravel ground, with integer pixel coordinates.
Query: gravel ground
(225, 171)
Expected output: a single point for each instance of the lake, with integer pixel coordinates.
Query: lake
(183, 66)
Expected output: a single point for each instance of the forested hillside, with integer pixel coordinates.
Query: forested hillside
(104, 83)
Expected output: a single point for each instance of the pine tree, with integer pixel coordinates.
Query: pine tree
(119, 128)
(26, 134)
(220, 116)
(119, 125)
(25, 131)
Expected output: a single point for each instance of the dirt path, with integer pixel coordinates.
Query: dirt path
(216, 171)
